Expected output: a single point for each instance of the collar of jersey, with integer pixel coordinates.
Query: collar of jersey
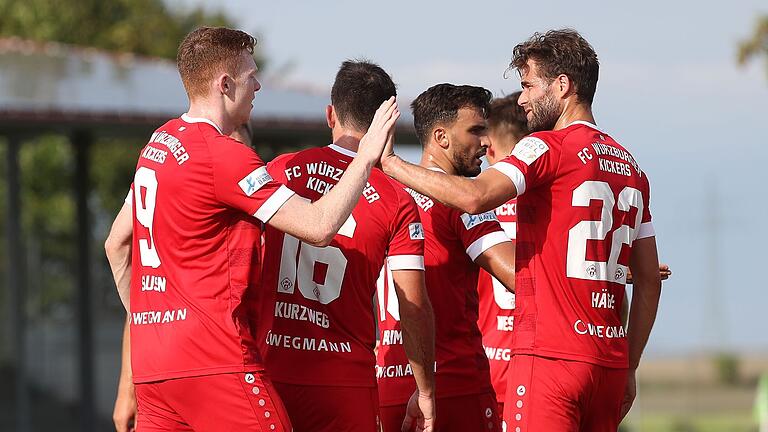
(438, 169)
(189, 119)
(586, 123)
(342, 150)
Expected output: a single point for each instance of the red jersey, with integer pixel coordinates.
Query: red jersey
(582, 202)
(323, 331)
(196, 251)
(452, 242)
(496, 306)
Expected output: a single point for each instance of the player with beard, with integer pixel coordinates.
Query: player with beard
(507, 124)
(583, 220)
(185, 248)
(450, 123)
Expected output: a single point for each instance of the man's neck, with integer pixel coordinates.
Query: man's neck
(347, 138)
(574, 112)
(203, 109)
(437, 161)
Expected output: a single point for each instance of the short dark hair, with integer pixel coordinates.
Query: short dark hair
(358, 91)
(206, 51)
(506, 115)
(562, 52)
(440, 104)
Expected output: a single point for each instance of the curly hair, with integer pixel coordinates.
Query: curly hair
(440, 104)
(207, 51)
(564, 52)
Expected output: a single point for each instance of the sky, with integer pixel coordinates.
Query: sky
(669, 90)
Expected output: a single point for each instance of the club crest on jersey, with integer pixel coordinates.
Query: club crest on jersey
(529, 149)
(471, 221)
(416, 230)
(255, 180)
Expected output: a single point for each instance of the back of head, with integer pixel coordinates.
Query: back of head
(562, 52)
(208, 51)
(440, 105)
(506, 117)
(358, 91)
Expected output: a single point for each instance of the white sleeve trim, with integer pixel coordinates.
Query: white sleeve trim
(513, 173)
(486, 242)
(510, 228)
(129, 198)
(405, 262)
(273, 203)
(646, 230)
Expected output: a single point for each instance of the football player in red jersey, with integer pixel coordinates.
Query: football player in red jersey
(506, 126)
(188, 235)
(583, 220)
(450, 123)
(319, 347)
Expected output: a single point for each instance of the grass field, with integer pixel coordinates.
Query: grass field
(693, 395)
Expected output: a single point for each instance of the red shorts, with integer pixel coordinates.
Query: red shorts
(554, 395)
(231, 401)
(332, 409)
(454, 414)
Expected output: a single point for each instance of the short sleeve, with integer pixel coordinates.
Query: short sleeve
(241, 180)
(406, 246)
(532, 162)
(129, 198)
(479, 232)
(646, 225)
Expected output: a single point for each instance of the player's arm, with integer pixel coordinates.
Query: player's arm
(499, 261)
(418, 324)
(118, 249)
(644, 263)
(485, 192)
(124, 413)
(316, 223)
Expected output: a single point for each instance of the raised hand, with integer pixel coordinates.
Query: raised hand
(379, 132)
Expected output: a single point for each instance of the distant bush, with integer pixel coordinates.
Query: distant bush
(728, 368)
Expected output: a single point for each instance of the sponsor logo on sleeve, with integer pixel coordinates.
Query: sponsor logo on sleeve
(529, 149)
(416, 230)
(255, 180)
(471, 221)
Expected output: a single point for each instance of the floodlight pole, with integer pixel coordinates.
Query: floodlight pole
(81, 142)
(17, 297)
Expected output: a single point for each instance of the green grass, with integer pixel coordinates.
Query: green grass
(715, 422)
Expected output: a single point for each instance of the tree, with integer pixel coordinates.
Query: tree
(756, 45)
(143, 27)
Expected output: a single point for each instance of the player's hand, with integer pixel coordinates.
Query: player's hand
(664, 273)
(124, 414)
(389, 152)
(419, 413)
(379, 132)
(630, 391)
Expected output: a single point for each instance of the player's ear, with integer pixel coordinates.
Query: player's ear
(564, 85)
(440, 137)
(330, 116)
(223, 84)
